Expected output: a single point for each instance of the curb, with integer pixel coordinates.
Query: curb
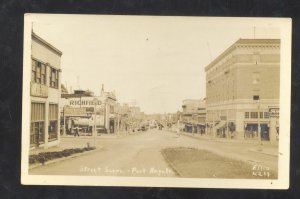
(62, 159)
(91, 137)
(221, 139)
(171, 164)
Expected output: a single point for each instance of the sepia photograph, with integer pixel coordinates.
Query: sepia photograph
(156, 101)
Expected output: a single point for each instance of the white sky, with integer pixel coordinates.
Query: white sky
(157, 61)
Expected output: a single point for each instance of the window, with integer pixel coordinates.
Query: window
(53, 122)
(54, 78)
(261, 114)
(246, 114)
(37, 124)
(38, 72)
(254, 115)
(255, 97)
(111, 108)
(266, 114)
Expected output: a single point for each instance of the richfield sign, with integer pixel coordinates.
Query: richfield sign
(84, 102)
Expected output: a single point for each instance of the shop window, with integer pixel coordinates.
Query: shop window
(54, 78)
(246, 114)
(53, 122)
(254, 115)
(37, 124)
(38, 72)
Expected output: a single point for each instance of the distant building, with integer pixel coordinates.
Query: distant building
(242, 85)
(194, 115)
(45, 92)
(130, 117)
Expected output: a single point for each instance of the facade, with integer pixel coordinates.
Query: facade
(194, 115)
(44, 93)
(130, 117)
(242, 85)
(87, 112)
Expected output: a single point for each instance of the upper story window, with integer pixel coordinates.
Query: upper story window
(53, 78)
(38, 72)
(254, 115)
(246, 114)
(111, 108)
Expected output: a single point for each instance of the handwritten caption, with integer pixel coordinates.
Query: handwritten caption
(131, 171)
(260, 171)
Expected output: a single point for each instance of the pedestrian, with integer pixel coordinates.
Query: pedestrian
(76, 132)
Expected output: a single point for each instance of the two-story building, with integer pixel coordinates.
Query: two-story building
(44, 93)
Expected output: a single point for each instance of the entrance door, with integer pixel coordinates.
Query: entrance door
(251, 130)
(111, 126)
(37, 133)
(264, 132)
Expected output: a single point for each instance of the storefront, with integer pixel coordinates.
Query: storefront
(87, 114)
(44, 124)
(252, 131)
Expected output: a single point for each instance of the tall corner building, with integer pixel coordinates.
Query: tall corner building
(45, 92)
(242, 84)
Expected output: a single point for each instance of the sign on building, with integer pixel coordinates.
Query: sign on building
(38, 90)
(274, 112)
(85, 102)
(75, 112)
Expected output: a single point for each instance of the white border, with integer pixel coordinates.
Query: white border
(284, 144)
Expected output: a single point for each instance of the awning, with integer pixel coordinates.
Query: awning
(221, 124)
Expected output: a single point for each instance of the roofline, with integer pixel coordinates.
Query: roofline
(241, 41)
(47, 44)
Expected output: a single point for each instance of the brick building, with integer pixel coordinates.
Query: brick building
(242, 85)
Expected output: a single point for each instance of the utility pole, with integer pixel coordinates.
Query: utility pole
(95, 124)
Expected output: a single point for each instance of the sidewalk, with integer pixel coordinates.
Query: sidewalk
(65, 143)
(69, 141)
(266, 148)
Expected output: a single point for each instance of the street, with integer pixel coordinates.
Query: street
(140, 155)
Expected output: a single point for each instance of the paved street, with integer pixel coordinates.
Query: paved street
(139, 155)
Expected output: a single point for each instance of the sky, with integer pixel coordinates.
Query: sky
(155, 61)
